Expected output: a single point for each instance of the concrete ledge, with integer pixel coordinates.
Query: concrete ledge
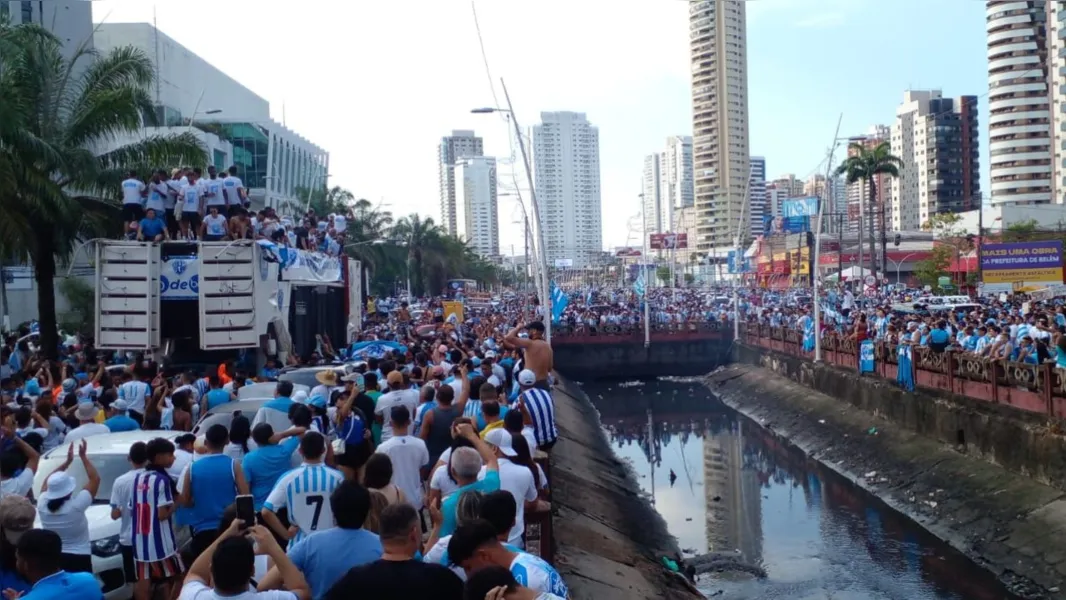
(608, 537)
(1008, 523)
(1020, 441)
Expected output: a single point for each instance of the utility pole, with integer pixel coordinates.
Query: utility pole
(980, 235)
(818, 250)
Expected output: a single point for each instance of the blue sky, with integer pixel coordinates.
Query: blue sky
(378, 83)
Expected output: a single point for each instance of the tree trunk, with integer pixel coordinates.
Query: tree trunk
(873, 217)
(884, 243)
(44, 268)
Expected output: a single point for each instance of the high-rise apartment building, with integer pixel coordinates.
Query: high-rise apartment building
(718, 50)
(460, 144)
(936, 139)
(789, 185)
(858, 193)
(652, 195)
(676, 172)
(775, 197)
(1019, 119)
(757, 195)
(1056, 19)
(475, 205)
(566, 172)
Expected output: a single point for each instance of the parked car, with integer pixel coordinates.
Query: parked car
(224, 414)
(265, 390)
(108, 453)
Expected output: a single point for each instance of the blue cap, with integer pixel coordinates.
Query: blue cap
(475, 361)
(318, 401)
(81, 375)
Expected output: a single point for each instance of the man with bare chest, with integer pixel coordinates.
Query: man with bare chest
(537, 351)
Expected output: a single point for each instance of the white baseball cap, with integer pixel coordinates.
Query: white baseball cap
(526, 377)
(501, 438)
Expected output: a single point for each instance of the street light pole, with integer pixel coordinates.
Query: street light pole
(899, 263)
(818, 249)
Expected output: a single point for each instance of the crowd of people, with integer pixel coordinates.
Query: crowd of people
(409, 474)
(186, 205)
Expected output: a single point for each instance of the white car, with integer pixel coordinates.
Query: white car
(265, 390)
(108, 452)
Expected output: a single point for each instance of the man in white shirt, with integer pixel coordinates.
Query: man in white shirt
(516, 479)
(192, 211)
(122, 499)
(236, 195)
(398, 396)
(136, 393)
(848, 303)
(133, 193)
(408, 454)
(213, 194)
(86, 415)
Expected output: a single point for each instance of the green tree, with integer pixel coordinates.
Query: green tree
(420, 236)
(1020, 231)
(663, 274)
(55, 113)
(81, 297)
(865, 164)
(324, 200)
(930, 270)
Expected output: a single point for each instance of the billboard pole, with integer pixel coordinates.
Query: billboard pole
(818, 249)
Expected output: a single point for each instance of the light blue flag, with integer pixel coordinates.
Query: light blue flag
(375, 349)
(559, 302)
(638, 285)
(866, 356)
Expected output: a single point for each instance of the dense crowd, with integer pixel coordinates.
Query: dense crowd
(408, 473)
(185, 205)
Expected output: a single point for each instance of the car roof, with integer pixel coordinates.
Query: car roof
(265, 390)
(242, 405)
(114, 443)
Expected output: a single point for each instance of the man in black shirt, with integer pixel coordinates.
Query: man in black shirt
(398, 576)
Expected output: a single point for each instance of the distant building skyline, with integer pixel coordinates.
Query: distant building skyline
(462, 143)
(476, 212)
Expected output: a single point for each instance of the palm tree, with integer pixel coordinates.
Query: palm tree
(55, 116)
(420, 236)
(325, 200)
(865, 164)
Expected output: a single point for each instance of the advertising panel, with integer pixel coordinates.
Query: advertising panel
(741, 265)
(669, 241)
(1022, 261)
(179, 278)
(799, 207)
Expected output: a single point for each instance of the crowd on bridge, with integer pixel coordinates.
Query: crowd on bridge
(407, 470)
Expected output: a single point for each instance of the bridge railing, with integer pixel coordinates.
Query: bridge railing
(1036, 388)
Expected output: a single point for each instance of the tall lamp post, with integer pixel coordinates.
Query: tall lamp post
(543, 292)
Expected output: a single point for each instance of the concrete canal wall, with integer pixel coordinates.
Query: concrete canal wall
(608, 538)
(605, 356)
(904, 448)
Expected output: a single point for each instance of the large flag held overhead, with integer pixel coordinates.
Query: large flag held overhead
(638, 285)
(374, 349)
(559, 302)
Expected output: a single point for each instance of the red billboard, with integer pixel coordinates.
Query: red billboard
(669, 241)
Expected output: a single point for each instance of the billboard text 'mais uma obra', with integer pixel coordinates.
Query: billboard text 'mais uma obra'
(1022, 261)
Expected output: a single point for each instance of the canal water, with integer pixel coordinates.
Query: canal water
(724, 484)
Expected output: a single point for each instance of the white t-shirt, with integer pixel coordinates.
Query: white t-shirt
(196, 590)
(216, 225)
(182, 459)
(442, 481)
(85, 430)
(136, 394)
(386, 402)
(232, 186)
(57, 430)
(131, 191)
(69, 522)
(214, 186)
(192, 197)
(157, 197)
(121, 496)
(408, 455)
(533, 572)
(19, 485)
(518, 480)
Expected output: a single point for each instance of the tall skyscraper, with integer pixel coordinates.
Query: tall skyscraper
(1056, 19)
(757, 195)
(776, 195)
(566, 171)
(475, 204)
(1019, 120)
(676, 172)
(858, 193)
(789, 185)
(460, 144)
(652, 195)
(718, 49)
(936, 138)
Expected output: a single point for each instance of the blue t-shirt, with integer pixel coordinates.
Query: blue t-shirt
(449, 505)
(264, 465)
(325, 556)
(939, 336)
(217, 397)
(12, 580)
(121, 423)
(65, 586)
(152, 227)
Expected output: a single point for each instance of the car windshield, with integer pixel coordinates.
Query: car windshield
(302, 377)
(224, 418)
(109, 466)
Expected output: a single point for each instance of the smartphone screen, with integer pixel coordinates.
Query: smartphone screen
(246, 509)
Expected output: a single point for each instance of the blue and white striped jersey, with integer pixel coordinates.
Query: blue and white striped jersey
(305, 492)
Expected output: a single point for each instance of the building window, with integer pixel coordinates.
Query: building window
(27, 12)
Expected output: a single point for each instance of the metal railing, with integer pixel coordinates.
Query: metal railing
(1039, 388)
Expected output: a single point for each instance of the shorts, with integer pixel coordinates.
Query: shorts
(132, 212)
(192, 218)
(201, 541)
(128, 565)
(355, 455)
(544, 385)
(547, 446)
(212, 238)
(160, 570)
(172, 221)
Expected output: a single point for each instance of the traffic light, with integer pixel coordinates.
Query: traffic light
(896, 240)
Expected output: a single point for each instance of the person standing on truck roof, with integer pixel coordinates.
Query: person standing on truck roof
(538, 352)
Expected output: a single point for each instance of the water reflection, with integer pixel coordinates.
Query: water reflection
(722, 483)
